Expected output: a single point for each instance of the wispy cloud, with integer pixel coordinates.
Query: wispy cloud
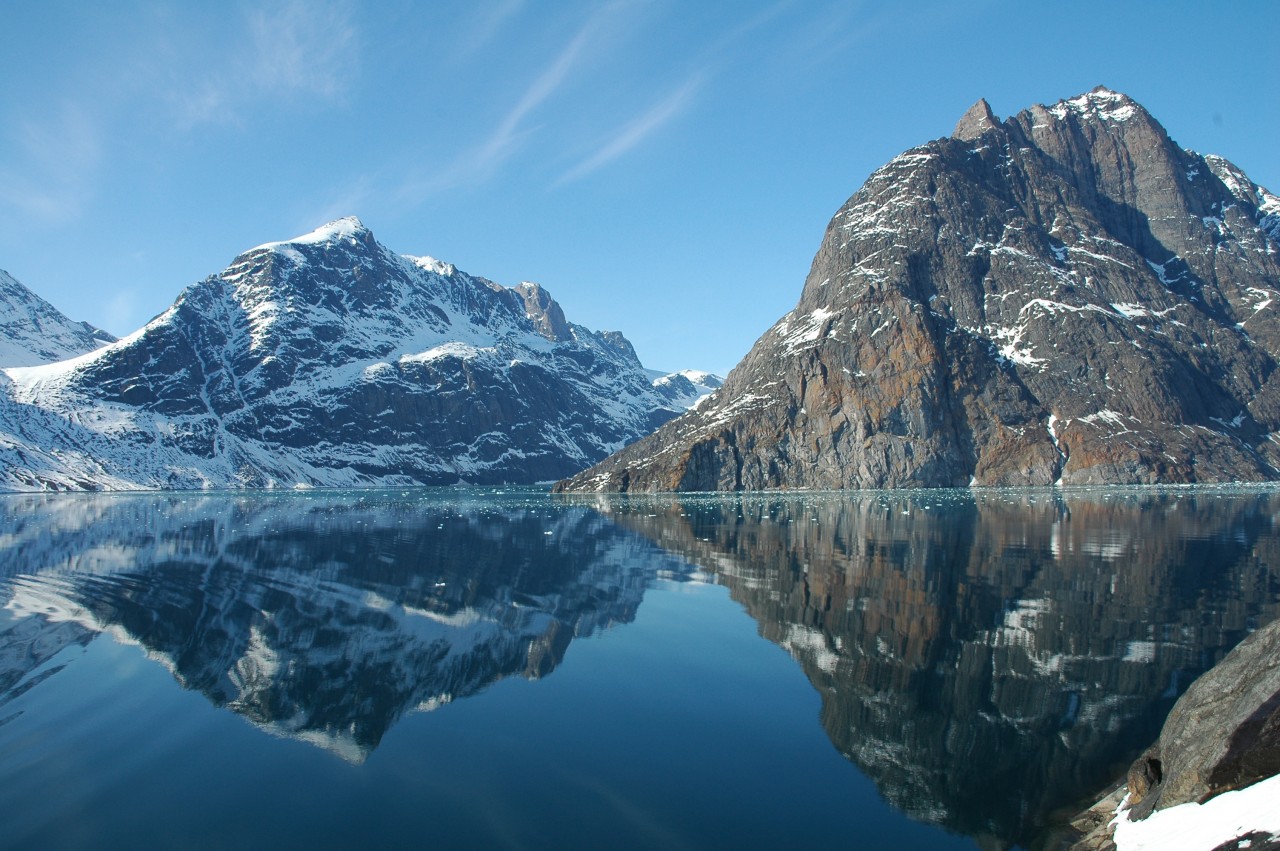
(482, 161)
(306, 48)
(290, 49)
(635, 131)
(487, 20)
(505, 137)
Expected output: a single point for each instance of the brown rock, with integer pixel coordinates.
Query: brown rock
(1068, 296)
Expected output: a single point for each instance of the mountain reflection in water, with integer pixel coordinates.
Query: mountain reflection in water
(326, 618)
(985, 658)
(989, 657)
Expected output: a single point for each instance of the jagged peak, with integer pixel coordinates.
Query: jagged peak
(978, 119)
(431, 264)
(543, 311)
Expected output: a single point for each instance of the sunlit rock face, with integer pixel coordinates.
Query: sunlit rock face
(329, 360)
(990, 659)
(1064, 296)
(1222, 735)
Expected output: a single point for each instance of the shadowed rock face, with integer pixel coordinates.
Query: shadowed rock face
(1063, 296)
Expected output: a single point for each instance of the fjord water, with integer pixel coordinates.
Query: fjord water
(460, 668)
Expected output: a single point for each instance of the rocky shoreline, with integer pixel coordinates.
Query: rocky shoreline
(1222, 736)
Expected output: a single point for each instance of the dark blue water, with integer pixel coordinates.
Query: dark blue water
(481, 669)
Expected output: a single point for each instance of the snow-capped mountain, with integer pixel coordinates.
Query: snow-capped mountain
(32, 331)
(328, 360)
(685, 388)
(1064, 296)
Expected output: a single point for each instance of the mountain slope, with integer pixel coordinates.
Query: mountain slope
(330, 360)
(32, 331)
(1065, 296)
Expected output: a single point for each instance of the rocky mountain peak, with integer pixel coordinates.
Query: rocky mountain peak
(32, 331)
(1100, 102)
(345, 229)
(1074, 299)
(543, 311)
(329, 360)
(978, 119)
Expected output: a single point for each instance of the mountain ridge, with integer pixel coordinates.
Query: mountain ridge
(329, 360)
(1060, 297)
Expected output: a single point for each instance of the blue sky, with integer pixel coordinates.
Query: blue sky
(664, 168)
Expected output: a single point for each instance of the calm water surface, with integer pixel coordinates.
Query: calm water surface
(446, 668)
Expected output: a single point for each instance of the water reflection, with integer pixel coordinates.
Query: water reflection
(985, 658)
(988, 658)
(323, 619)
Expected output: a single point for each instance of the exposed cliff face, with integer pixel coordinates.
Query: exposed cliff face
(330, 360)
(1065, 296)
(1223, 734)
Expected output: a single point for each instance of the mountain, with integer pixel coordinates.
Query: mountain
(1064, 296)
(32, 331)
(686, 388)
(328, 360)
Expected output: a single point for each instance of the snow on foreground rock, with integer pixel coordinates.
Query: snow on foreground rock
(1251, 814)
(328, 360)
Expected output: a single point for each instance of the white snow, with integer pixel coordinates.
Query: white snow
(453, 348)
(344, 228)
(1263, 298)
(1201, 827)
(800, 332)
(1103, 103)
(431, 264)
(1161, 270)
(1014, 350)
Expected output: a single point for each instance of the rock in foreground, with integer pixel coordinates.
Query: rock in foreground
(1212, 779)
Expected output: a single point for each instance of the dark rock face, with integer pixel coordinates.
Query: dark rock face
(1066, 296)
(330, 360)
(1223, 734)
